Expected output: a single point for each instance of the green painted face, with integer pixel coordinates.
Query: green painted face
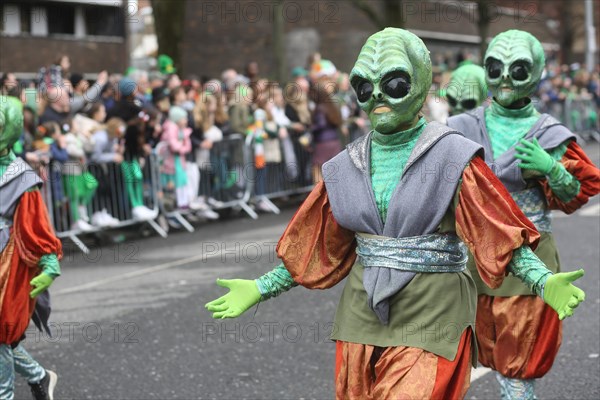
(514, 62)
(11, 122)
(391, 77)
(467, 88)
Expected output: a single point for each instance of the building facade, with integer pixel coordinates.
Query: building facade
(36, 33)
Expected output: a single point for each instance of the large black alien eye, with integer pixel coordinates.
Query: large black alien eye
(396, 87)
(364, 90)
(494, 69)
(451, 101)
(468, 104)
(519, 72)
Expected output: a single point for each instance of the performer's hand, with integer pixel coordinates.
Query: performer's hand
(534, 157)
(242, 295)
(40, 283)
(562, 295)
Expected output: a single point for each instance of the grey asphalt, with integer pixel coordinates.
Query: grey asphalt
(129, 321)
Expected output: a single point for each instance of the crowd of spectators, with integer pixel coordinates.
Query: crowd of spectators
(76, 128)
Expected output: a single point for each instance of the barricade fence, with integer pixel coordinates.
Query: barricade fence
(107, 195)
(581, 116)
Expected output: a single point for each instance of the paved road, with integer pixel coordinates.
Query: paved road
(129, 321)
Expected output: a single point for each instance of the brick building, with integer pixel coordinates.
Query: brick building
(35, 33)
(221, 34)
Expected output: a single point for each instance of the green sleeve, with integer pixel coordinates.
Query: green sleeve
(50, 265)
(526, 266)
(564, 185)
(275, 282)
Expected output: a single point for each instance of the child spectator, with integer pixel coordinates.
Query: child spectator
(106, 150)
(176, 135)
(135, 155)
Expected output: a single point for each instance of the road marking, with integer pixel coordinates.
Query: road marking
(479, 372)
(133, 274)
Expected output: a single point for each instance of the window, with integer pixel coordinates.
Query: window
(104, 21)
(61, 19)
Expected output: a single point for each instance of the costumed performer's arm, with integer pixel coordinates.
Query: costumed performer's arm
(501, 239)
(315, 251)
(571, 178)
(35, 240)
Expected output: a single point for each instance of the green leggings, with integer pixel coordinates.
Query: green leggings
(134, 182)
(80, 190)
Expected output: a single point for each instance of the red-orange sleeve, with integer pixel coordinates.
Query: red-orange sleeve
(34, 235)
(578, 164)
(490, 222)
(314, 248)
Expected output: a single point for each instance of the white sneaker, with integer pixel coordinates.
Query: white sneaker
(142, 213)
(208, 214)
(83, 213)
(109, 219)
(99, 219)
(198, 205)
(82, 226)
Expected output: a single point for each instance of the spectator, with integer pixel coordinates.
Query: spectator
(132, 168)
(326, 123)
(9, 84)
(239, 109)
(82, 93)
(128, 107)
(176, 135)
(58, 107)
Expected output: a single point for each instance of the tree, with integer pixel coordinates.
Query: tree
(169, 25)
(485, 15)
(391, 15)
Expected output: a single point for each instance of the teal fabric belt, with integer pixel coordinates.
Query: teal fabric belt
(422, 254)
(533, 204)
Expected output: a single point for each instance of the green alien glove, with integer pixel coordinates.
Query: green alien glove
(40, 283)
(534, 157)
(561, 294)
(242, 295)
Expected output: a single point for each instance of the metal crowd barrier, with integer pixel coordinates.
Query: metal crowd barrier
(581, 116)
(223, 179)
(287, 171)
(113, 198)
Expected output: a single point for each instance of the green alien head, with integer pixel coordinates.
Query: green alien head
(514, 62)
(11, 122)
(467, 88)
(392, 77)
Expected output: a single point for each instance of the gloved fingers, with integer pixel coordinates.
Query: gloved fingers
(574, 275)
(579, 294)
(523, 157)
(216, 302)
(218, 307)
(525, 165)
(525, 150)
(573, 303)
(527, 143)
(35, 292)
(220, 314)
(226, 283)
(226, 314)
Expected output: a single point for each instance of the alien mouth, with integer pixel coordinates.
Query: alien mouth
(382, 110)
(506, 89)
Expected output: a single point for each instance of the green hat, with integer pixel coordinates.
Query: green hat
(299, 71)
(165, 65)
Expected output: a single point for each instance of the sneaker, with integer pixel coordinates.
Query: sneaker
(208, 214)
(142, 213)
(83, 226)
(44, 389)
(99, 219)
(109, 219)
(83, 213)
(198, 205)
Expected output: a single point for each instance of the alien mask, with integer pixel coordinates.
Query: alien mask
(514, 62)
(391, 77)
(11, 122)
(467, 88)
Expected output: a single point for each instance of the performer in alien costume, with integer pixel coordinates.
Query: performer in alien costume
(539, 162)
(390, 216)
(467, 88)
(29, 254)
